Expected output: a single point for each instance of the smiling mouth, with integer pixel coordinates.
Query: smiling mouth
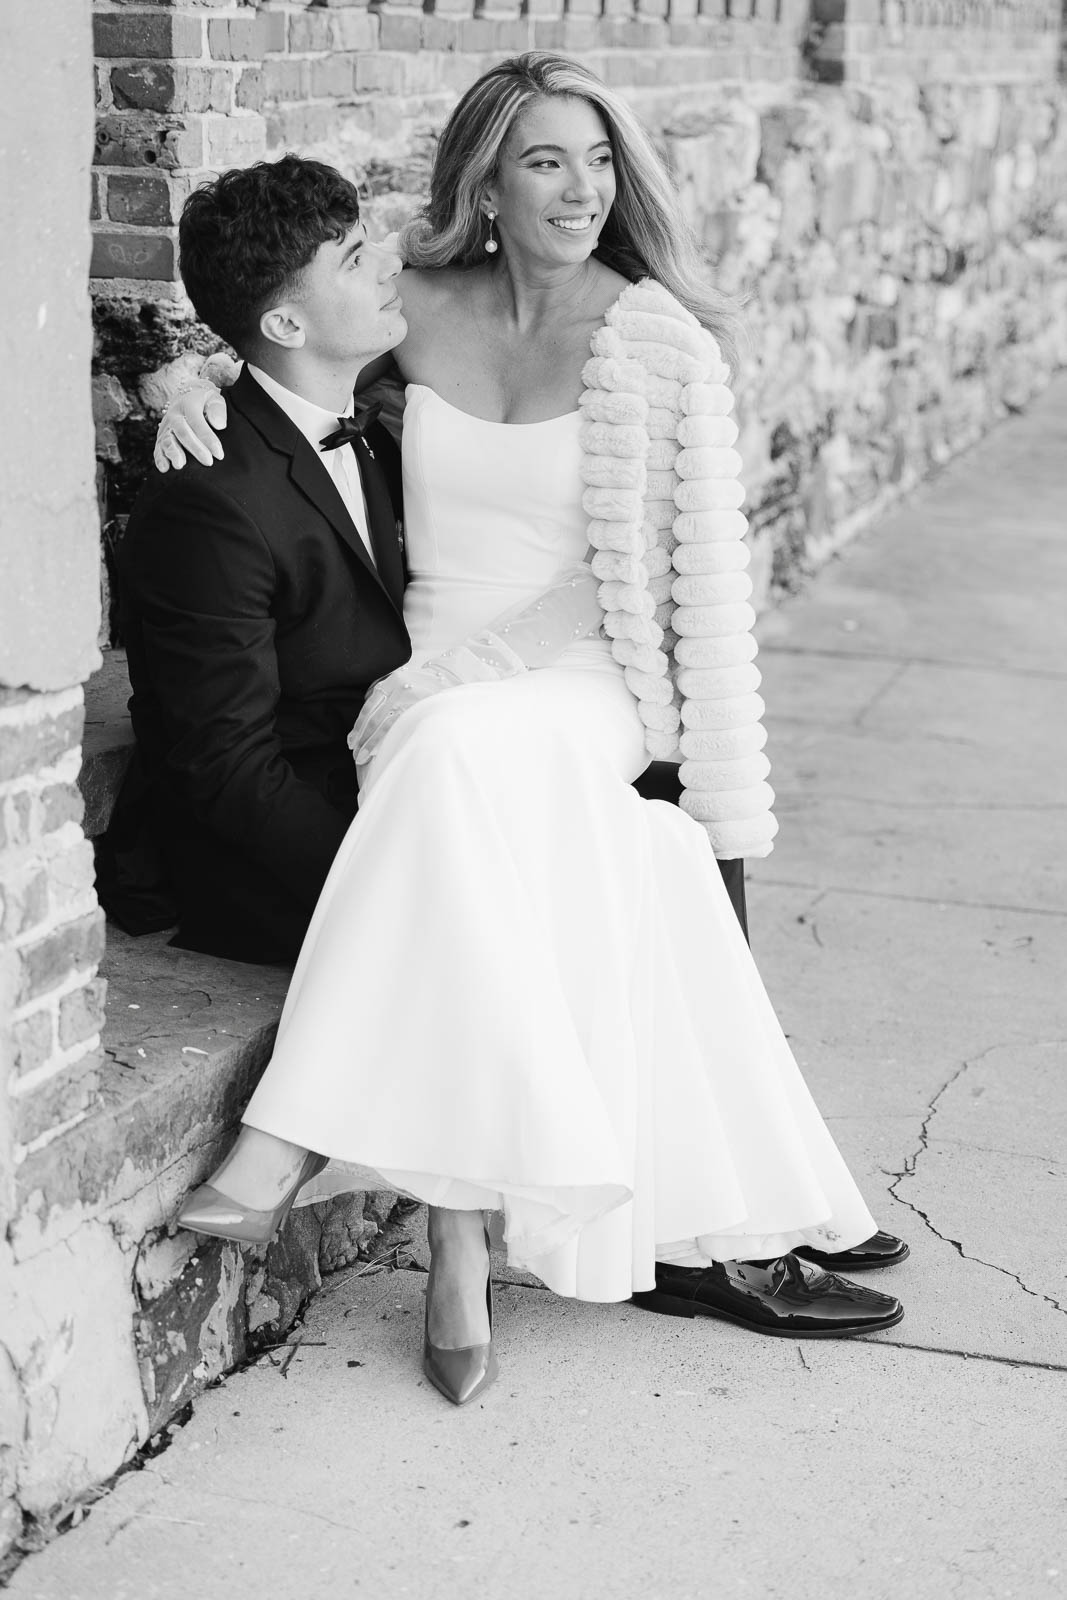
(573, 224)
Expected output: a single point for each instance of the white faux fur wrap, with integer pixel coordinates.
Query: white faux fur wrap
(662, 494)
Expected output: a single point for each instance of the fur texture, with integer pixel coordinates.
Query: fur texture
(663, 495)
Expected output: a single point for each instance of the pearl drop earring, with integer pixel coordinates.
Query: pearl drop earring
(490, 244)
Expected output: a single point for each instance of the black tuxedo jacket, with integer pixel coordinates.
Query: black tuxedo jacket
(255, 622)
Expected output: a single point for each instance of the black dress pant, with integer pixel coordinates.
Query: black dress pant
(660, 781)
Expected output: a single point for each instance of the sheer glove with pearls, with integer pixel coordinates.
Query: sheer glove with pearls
(529, 636)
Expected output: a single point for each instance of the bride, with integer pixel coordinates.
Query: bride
(524, 988)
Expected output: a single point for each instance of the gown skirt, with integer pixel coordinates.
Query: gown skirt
(525, 989)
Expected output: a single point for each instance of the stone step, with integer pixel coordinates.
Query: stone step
(153, 1313)
(184, 1038)
(107, 741)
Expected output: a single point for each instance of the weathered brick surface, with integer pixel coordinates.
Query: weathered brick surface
(34, 1040)
(250, 91)
(317, 30)
(160, 34)
(144, 86)
(286, 79)
(32, 743)
(142, 140)
(156, 86)
(25, 899)
(59, 1101)
(45, 963)
(152, 256)
(234, 141)
(71, 873)
(237, 38)
(140, 200)
(81, 1013)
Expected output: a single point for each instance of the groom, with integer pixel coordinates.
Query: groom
(262, 597)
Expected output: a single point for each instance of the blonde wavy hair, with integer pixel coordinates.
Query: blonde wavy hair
(646, 234)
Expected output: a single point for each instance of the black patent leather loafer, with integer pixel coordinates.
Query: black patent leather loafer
(787, 1297)
(880, 1250)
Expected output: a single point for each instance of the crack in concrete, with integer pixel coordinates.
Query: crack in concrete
(807, 919)
(286, 1506)
(890, 683)
(909, 1169)
(166, 1042)
(975, 1355)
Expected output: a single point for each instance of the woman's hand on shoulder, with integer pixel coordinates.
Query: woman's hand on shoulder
(187, 426)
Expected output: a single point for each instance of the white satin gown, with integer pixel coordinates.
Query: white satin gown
(524, 987)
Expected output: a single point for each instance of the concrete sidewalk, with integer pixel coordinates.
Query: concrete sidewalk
(912, 929)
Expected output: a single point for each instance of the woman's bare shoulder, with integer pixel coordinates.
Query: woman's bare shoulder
(609, 279)
(607, 287)
(433, 287)
(438, 304)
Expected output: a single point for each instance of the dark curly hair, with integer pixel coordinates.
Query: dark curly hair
(245, 239)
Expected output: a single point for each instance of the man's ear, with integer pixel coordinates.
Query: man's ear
(283, 325)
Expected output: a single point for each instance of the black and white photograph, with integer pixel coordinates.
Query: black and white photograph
(533, 800)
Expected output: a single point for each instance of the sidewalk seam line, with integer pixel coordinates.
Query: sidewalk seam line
(995, 671)
(975, 1355)
(757, 881)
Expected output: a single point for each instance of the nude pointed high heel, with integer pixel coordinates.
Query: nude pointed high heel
(208, 1210)
(461, 1375)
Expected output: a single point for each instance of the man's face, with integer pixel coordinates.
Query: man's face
(347, 300)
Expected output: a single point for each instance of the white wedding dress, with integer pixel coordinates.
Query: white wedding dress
(524, 987)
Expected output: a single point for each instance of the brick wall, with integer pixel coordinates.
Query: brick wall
(178, 99)
(882, 180)
(930, 40)
(51, 929)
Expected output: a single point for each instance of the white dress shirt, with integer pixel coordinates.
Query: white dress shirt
(315, 423)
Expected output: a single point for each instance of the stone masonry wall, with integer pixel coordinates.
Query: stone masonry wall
(881, 181)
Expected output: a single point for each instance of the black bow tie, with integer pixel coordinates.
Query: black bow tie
(349, 429)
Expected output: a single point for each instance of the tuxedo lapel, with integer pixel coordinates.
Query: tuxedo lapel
(308, 475)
